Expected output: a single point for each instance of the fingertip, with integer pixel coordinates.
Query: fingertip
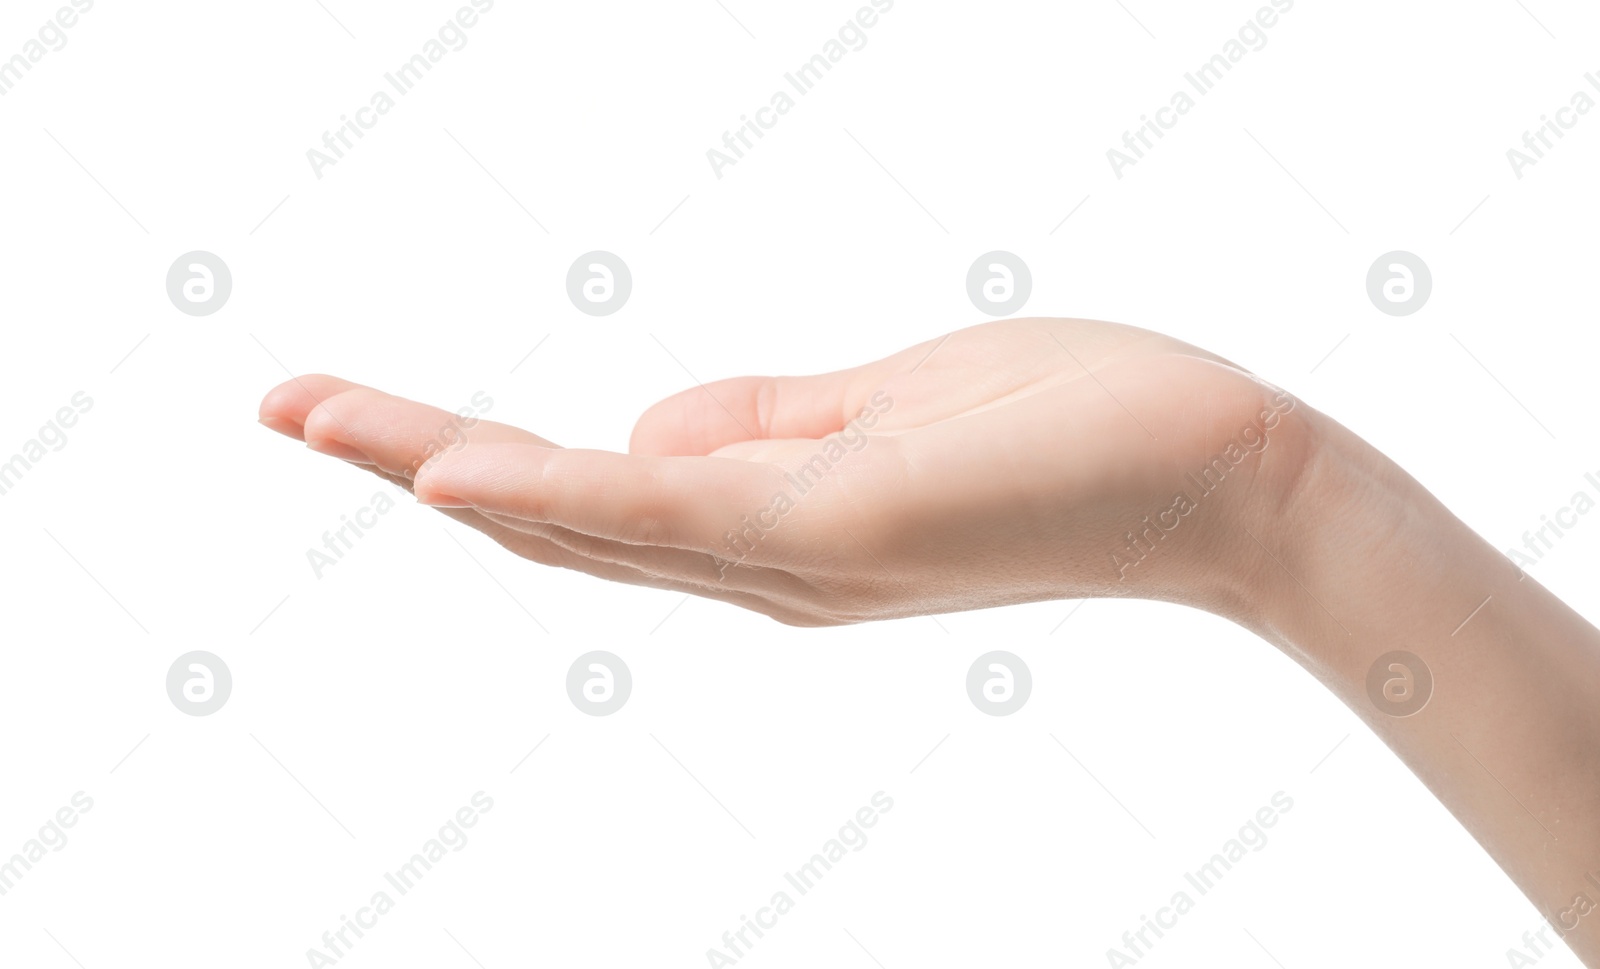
(433, 484)
(338, 449)
(290, 402)
(438, 499)
(282, 425)
(700, 420)
(658, 429)
(647, 440)
(326, 433)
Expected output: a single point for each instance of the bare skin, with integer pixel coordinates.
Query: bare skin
(1042, 459)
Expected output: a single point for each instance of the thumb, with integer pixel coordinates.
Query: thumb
(702, 419)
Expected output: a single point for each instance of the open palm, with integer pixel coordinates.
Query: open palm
(1007, 462)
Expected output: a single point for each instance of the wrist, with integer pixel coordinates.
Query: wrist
(1311, 476)
(1329, 515)
(1352, 553)
(1474, 674)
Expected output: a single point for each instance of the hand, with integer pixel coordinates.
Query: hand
(1008, 462)
(1034, 459)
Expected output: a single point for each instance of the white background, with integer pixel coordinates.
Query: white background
(405, 680)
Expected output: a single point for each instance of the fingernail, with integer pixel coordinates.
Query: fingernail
(338, 449)
(285, 427)
(443, 501)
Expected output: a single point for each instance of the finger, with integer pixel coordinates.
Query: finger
(701, 420)
(675, 563)
(286, 406)
(704, 570)
(396, 434)
(554, 553)
(547, 552)
(699, 569)
(551, 544)
(559, 547)
(681, 502)
(562, 548)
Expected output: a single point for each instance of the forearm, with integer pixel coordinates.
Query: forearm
(1364, 561)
